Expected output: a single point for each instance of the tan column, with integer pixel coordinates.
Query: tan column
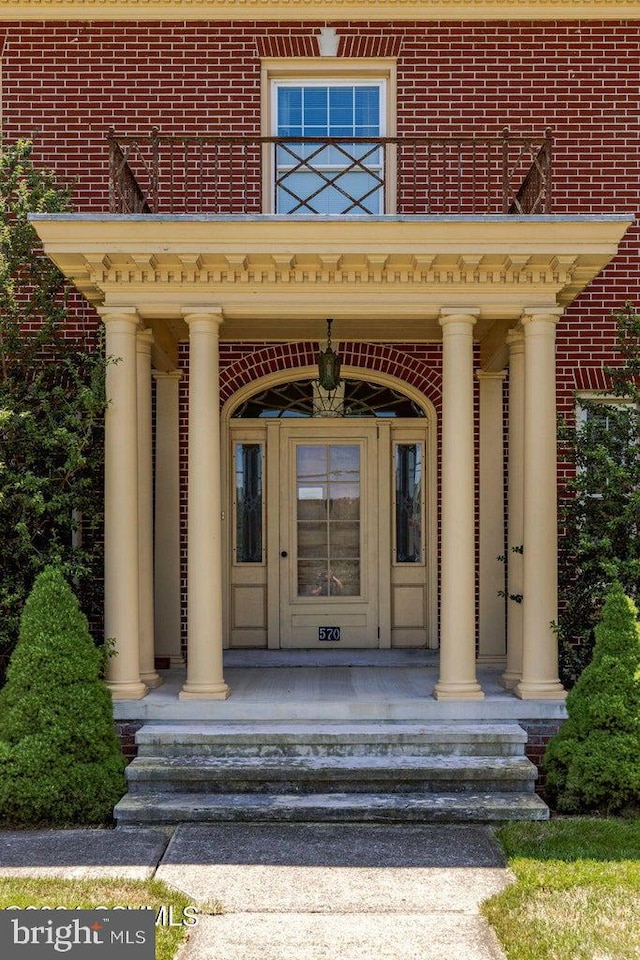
(540, 589)
(457, 600)
(167, 517)
(204, 557)
(148, 673)
(515, 534)
(121, 586)
(491, 614)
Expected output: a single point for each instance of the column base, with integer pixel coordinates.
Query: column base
(176, 661)
(458, 691)
(126, 690)
(552, 690)
(152, 679)
(509, 680)
(205, 691)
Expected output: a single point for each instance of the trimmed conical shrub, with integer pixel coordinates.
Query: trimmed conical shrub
(593, 763)
(60, 761)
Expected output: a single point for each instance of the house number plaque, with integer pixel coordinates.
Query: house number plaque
(328, 633)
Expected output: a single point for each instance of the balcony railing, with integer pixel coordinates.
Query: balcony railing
(163, 174)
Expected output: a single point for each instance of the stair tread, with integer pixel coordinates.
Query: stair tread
(202, 732)
(225, 765)
(324, 807)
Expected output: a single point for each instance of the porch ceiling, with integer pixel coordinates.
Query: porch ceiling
(280, 277)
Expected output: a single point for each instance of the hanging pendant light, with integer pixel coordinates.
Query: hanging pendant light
(328, 365)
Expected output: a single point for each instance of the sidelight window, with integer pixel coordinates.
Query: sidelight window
(248, 502)
(408, 502)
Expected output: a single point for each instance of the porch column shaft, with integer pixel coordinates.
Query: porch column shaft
(148, 673)
(204, 556)
(540, 589)
(515, 536)
(457, 603)
(121, 584)
(491, 640)
(167, 517)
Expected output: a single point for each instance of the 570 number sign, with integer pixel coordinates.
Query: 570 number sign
(328, 633)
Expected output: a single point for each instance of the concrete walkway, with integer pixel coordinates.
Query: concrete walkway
(299, 891)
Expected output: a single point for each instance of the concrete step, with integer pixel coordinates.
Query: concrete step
(331, 774)
(163, 809)
(330, 739)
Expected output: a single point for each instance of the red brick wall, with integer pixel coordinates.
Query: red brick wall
(67, 83)
(540, 733)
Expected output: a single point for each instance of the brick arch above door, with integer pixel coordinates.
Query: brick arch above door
(417, 365)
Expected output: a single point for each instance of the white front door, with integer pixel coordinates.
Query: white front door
(328, 535)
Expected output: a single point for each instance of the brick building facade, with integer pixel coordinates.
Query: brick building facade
(470, 253)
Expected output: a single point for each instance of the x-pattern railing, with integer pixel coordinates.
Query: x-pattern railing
(411, 175)
(305, 164)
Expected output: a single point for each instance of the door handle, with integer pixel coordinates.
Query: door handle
(283, 554)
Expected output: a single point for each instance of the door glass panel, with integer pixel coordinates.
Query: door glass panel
(408, 503)
(345, 540)
(328, 520)
(312, 540)
(344, 503)
(248, 465)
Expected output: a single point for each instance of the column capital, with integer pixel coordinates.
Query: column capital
(204, 314)
(489, 375)
(458, 315)
(144, 341)
(539, 315)
(123, 314)
(515, 338)
(166, 374)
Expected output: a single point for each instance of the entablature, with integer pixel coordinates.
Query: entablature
(319, 10)
(388, 277)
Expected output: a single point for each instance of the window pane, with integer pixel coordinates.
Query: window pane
(289, 112)
(328, 527)
(248, 503)
(409, 503)
(367, 108)
(345, 540)
(312, 540)
(315, 109)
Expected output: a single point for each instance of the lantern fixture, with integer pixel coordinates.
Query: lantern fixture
(329, 365)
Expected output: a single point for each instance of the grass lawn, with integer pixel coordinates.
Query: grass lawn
(577, 890)
(88, 894)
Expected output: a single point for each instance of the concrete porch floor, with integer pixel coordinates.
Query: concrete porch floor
(334, 685)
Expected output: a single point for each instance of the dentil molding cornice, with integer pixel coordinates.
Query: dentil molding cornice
(408, 267)
(319, 10)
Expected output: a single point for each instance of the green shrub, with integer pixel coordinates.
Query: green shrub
(60, 761)
(52, 404)
(593, 764)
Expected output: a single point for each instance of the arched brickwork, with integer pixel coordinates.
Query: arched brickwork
(418, 366)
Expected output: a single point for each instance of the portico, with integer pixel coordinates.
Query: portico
(489, 291)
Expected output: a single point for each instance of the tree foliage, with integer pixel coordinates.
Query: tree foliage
(51, 403)
(601, 514)
(60, 761)
(593, 763)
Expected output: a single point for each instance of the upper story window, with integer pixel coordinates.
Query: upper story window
(327, 172)
(323, 112)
